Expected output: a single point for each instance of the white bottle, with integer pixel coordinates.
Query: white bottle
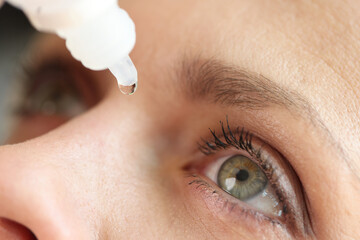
(97, 32)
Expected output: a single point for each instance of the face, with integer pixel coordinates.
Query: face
(245, 124)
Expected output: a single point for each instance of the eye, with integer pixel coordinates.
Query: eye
(243, 179)
(55, 88)
(252, 181)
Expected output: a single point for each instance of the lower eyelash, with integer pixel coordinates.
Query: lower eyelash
(227, 206)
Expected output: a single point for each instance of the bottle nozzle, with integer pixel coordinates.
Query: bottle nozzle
(126, 75)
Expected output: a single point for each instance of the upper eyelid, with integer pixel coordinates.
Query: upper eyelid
(226, 84)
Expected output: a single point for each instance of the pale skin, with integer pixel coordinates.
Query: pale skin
(117, 170)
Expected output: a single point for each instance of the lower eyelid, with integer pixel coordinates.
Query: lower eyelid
(233, 213)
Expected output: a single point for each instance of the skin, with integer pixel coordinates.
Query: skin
(116, 171)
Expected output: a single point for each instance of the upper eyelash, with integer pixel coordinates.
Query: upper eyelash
(243, 142)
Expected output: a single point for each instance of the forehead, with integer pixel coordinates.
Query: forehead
(305, 46)
(291, 42)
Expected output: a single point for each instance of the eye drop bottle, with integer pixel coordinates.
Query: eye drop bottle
(97, 32)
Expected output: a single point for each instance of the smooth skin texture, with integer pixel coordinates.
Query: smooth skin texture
(116, 171)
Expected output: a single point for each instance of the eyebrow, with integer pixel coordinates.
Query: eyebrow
(229, 85)
(221, 83)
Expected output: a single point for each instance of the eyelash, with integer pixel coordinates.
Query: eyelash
(244, 142)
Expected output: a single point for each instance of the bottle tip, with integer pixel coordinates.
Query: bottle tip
(128, 90)
(126, 75)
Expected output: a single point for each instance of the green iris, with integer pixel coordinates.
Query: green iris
(241, 177)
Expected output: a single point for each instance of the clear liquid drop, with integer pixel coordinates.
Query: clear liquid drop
(128, 90)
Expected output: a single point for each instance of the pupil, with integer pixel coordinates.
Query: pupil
(242, 175)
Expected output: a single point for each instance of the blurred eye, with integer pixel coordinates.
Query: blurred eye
(57, 88)
(239, 176)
